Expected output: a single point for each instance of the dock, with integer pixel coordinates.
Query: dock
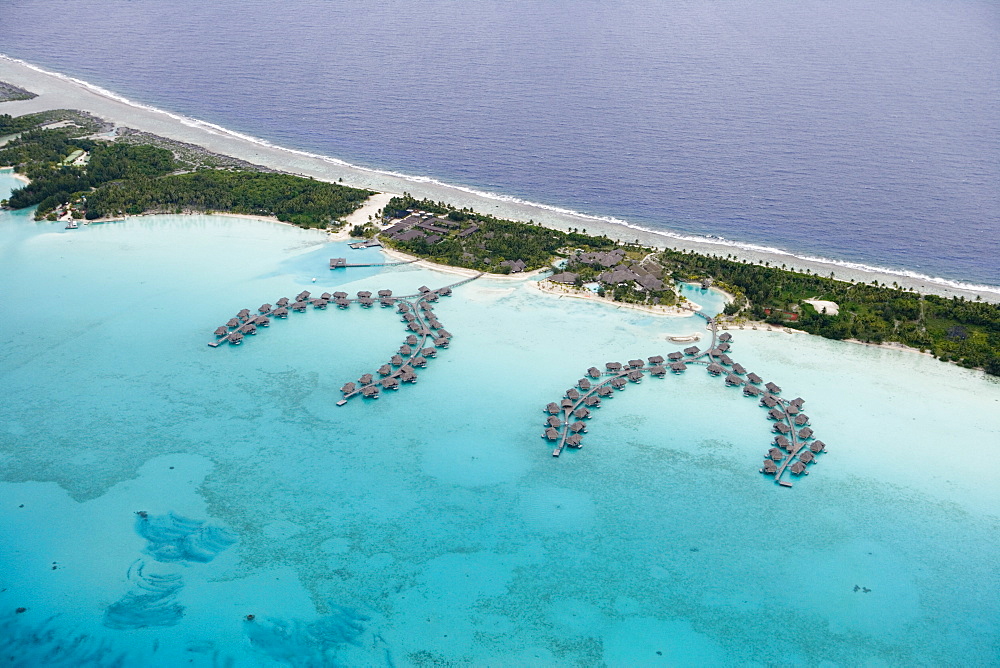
(342, 263)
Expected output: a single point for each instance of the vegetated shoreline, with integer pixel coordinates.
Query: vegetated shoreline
(57, 91)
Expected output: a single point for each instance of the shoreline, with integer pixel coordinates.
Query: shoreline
(20, 177)
(57, 91)
(559, 291)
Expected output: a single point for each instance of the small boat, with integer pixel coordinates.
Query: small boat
(72, 225)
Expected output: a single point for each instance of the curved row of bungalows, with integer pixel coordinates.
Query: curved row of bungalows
(751, 390)
(574, 441)
(733, 380)
(594, 372)
(678, 367)
(692, 351)
(715, 369)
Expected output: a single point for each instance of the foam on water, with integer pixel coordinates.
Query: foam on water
(432, 525)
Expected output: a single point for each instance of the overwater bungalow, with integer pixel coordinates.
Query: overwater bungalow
(592, 401)
(396, 360)
(434, 322)
(552, 408)
(413, 327)
(723, 347)
(618, 383)
(264, 308)
(551, 434)
(423, 289)
(236, 338)
(370, 391)
(426, 308)
(776, 454)
(405, 349)
(340, 295)
(817, 446)
(801, 419)
(441, 342)
(772, 388)
(302, 296)
(798, 468)
(429, 352)
(658, 370)
(338, 262)
(613, 367)
(419, 361)
(806, 456)
(409, 317)
(444, 292)
(715, 369)
(390, 384)
(319, 303)
(604, 391)
(674, 356)
(577, 427)
(364, 293)
(408, 376)
(366, 379)
(384, 293)
(581, 413)
(249, 328)
(411, 340)
(776, 414)
(566, 403)
(385, 370)
(754, 378)
(768, 400)
(280, 312)
(583, 384)
(656, 359)
(733, 380)
(283, 301)
(805, 433)
(782, 442)
(263, 321)
(553, 421)
(678, 367)
(367, 302)
(635, 375)
(233, 322)
(243, 314)
(348, 388)
(431, 296)
(725, 336)
(798, 401)
(750, 390)
(725, 359)
(792, 409)
(445, 333)
(342, 303)
(636, 364)
(299, 306)
(327, 296)
(221, 330)
(386, 301)
(573, 394)
(402, 307)
(574, 441)
(738, 369)
(692, 351)
(594, 372)
(769, 467)
(782, 428)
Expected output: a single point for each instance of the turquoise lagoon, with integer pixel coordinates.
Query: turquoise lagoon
(432, 526)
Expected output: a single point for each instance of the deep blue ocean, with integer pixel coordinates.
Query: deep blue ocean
(857, 131)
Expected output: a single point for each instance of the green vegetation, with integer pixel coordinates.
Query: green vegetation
(10, 92)
(956, 329)
(494, 242)
(128, 178)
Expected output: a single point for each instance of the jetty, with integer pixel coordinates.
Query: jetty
(342, 263)
(794, 449)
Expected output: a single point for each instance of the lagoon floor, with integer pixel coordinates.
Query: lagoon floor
(432, 526)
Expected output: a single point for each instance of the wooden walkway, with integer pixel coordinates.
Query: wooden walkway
(567, 427)
(351, 265)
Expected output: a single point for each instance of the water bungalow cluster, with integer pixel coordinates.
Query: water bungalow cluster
(794, 447)
(426, 336)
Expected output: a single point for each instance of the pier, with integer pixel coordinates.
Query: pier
(417, 312)
(794, 449)
(342, 263)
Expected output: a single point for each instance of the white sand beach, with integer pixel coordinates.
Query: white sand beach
(59, 92)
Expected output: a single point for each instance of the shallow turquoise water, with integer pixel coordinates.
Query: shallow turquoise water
(432, 525)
